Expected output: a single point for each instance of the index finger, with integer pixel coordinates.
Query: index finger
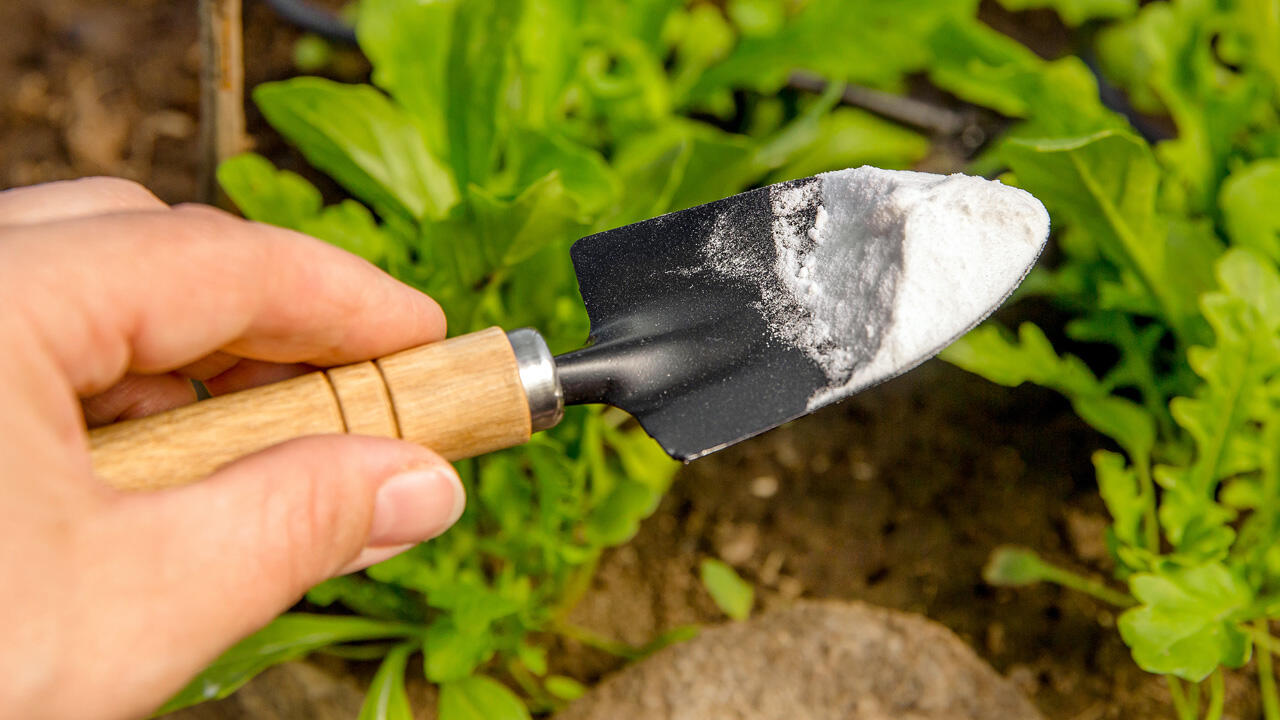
(152, 291)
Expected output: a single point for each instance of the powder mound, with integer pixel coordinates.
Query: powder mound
(877, 270)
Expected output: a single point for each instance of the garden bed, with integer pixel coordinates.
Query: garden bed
(895, 497)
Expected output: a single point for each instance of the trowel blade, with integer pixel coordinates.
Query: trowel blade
(716, 323)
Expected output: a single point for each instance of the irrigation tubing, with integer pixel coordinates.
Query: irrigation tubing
(314, 20)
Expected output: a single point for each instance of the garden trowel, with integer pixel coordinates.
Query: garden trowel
(708, 325)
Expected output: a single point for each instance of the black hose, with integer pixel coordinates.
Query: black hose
(1115, 100)
(314, 20)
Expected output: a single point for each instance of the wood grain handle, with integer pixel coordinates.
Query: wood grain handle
(461, 397)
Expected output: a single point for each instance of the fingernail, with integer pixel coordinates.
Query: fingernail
(416, 505)
(373, 556)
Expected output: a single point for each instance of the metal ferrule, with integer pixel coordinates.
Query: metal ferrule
(539, 376)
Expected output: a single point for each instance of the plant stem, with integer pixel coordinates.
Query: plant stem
(1217, 696)
(1266, 672)
(1088, 586)
(578, 585)
(1180, 705)
(593, 639)
(1150, 522)
(375, 651)
(531, 686)
(1272, 643)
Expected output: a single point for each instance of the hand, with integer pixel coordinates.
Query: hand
(110, 302)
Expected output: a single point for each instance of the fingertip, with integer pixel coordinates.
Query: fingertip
(416, 505)
(288, 517)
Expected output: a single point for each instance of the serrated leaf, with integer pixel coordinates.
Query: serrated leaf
(1125, 499)
(1030, 358)
(1184, 623)
(1221, 416)
(1122, 420)
(368, 144)
(387, 699)
(1166, 57)
(733, 595)
(479, 698)
(288, 637)
(1105, 183)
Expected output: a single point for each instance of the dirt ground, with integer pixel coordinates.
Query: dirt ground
(895, 497)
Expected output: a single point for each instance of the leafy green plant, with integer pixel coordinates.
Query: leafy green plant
(495, 133)
(1169, 256)
(733, 595)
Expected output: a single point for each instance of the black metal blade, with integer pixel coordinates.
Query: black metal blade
(689, 348)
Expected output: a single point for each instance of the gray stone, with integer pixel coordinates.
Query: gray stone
(284, 692)
(825, 660)
(318, 688)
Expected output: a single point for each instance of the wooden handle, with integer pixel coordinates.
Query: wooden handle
(461, 398)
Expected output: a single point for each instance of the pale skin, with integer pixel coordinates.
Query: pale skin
(111, 302)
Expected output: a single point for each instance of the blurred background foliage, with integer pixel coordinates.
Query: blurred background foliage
(496, 132)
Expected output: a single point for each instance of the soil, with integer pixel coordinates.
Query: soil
(895, 497)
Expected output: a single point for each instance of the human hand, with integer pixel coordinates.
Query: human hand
(110, 302)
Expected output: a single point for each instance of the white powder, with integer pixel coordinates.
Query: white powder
(877, 270)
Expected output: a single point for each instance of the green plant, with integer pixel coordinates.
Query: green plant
(1169, 256)
(498, 132)
(733, 595)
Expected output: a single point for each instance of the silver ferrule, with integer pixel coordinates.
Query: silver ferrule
(538, 375)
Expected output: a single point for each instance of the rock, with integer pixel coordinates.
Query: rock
(850, 661)
(318, 688)
(284, 692)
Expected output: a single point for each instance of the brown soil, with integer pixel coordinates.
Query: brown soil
(895, 497)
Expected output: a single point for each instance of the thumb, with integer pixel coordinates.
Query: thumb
(231, 552)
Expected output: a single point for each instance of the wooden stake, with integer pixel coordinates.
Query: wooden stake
(221, 92)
